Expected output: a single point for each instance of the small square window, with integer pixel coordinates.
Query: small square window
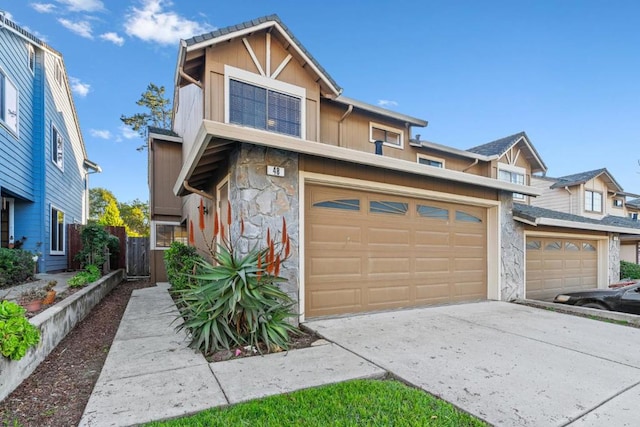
(392, 137)
(618, 203)
(165, 234)
(592, 201)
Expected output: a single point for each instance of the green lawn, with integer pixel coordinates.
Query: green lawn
(353, 403)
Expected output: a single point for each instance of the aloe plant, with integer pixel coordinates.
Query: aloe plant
(237, 301)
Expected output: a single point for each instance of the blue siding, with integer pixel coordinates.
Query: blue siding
(27, 173)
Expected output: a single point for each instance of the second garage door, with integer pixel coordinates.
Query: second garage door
(556, 265)
(368, 251)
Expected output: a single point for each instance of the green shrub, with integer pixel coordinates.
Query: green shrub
(181, 262)
(17, 334)
(16, 266)
(629, 270)
(90, 274)
(95, 241)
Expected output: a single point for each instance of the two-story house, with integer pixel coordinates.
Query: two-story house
(576, 232)
(44, 167)
(378, 219)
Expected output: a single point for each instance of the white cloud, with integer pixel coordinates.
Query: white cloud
(100, 133)
(113, 38)
(153, 23)
(79, 88)
(81, 28)
(387, 103)
(83, 5)
(128, 133)
(43, 7)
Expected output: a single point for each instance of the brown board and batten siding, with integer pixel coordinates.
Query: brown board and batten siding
(165, 167)
(348, 170)
(235, 54)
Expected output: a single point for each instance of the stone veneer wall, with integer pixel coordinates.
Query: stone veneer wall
(264, 200)
(512, 256)
(614, 258)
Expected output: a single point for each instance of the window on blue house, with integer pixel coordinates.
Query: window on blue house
(57, 148)
(57, 232)
(32, 59)
(8, 103)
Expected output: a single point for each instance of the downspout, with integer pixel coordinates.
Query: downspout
(196, 191)
(475, 162)
(570, 199)
(344, 116)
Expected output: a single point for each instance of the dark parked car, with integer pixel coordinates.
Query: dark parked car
(625, 299)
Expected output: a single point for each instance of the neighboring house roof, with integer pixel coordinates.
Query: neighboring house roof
(635, 203)
(248, 27)
(582, 177)
(502, 145)
(162, 131)
(535, 215)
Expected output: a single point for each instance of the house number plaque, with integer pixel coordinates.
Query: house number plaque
(275, 171)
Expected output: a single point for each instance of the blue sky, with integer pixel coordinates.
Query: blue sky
(565, 72)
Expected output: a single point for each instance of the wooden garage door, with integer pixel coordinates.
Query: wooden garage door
(556, 265)
(368, 251)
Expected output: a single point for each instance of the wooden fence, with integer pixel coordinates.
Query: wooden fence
(138, 256)
(74, 242)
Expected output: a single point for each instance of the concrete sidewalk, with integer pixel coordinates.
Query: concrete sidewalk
(151, 374)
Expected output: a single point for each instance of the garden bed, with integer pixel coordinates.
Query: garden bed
(55, 323)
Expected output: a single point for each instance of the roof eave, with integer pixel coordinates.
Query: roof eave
(552, 222)
(209, 129)
(382, 111)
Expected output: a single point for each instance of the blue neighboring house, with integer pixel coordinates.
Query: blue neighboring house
(44, 168)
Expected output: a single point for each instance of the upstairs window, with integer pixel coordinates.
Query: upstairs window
(592, 201)
(58, 72)
(430, 161)
(57, 232)
(392, 137)
(264, 103)
(8, 103)
(57, 148)
(618, 203)
(513, 177)
(32, 59)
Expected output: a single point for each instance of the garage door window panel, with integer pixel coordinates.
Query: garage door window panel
(570, 246)
(432, 212)
(534, 245)
(385, 207)
(466, 217)
(588, 247)
(553, 246)
(342, 204)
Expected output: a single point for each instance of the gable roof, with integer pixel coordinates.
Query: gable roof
(535, 215)
(502, 145)
(263, 23)
(582, 177)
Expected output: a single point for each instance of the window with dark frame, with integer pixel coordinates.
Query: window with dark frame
(386, 135)
(430, 162)
(618, 203)
(169, 233)
(266, 109)
(32, 59)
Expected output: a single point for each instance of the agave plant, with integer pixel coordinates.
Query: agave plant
(236, 301)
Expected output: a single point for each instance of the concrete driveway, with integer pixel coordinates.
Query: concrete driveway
(508, 364)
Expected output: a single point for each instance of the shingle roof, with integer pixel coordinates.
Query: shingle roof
(578, 178)
(634, 203)
(497, 147)
(533, 213)
(161, 131)
(254, 22)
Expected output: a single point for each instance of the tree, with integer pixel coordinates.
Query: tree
(135, 215)
(105, 209)
(158, 114)
(111, 215)
(99, 198)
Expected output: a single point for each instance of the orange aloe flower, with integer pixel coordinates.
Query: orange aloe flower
(192, 239)
(216, 225)
(228, 213)
(284, 231)
(276, 271)
(287, 248)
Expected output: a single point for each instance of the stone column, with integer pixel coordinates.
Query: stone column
(614, 258)
(263, 201)
(512, 255)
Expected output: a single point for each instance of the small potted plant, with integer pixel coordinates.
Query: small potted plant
(31, 299)
(51, 293)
